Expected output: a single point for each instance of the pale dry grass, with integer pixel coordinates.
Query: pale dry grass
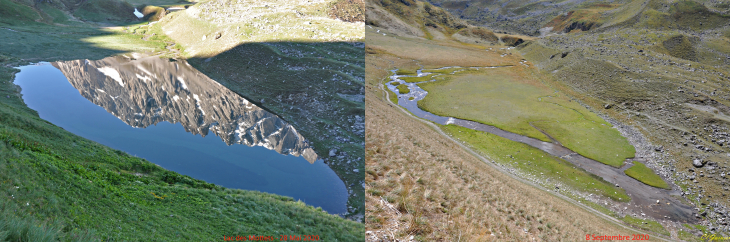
(423, 186)
(433, 54)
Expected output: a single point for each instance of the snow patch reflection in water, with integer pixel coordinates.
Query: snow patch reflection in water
(157, 107)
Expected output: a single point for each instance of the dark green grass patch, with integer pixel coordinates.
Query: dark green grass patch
(403, 89)
(611, 149)
(535, 162)
(391, 95)
(57, 15)
(645, 175)
(12, 13)
(37, 41)
(106, 11)
(680, 46)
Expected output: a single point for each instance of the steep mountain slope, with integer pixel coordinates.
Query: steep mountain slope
(656, 70)
(419, 182)
(540, 17)
(416, 18)
(657, 67)
(667, 79)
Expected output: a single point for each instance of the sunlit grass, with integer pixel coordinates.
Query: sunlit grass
(534, 162)
(511, 99)
(642, 173)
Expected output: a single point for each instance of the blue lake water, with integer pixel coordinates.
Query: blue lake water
(174, 116)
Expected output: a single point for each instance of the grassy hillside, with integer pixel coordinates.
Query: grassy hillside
(422, 184)
(58, 186)
(529, 17)
(420, 18)
(602, 69)
(56, 178)
(207, 29)
(516, 100)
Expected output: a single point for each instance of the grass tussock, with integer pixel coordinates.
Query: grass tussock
(680, 46)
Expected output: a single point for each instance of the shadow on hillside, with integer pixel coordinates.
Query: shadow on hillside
(42, 42)
(318, 87)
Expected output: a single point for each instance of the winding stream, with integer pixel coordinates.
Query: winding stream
(643, 197)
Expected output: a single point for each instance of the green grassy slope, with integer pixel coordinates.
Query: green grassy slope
(533, 162)
(534, 110)
(642, 173)
(53, 176)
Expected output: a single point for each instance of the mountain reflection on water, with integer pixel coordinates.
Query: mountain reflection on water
(149, 90)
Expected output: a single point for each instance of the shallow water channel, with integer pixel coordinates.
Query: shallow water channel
(165, 111)
(643, 197)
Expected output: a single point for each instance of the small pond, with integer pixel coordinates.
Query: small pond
(172, 115)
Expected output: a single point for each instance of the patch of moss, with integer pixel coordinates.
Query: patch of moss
(645, 175)
(403, 89)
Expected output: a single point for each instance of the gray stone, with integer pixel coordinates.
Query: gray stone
(697, 163)
(333, 152)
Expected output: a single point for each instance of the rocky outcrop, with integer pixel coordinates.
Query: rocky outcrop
(146, 91)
